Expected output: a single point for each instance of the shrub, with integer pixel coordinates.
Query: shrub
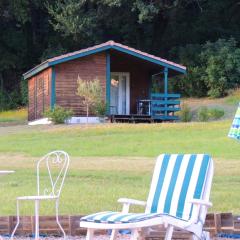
(212, 68)
(216, 113)
(100, 108)
(59, 114)
(24, 91)
(203, 114)
(185, 113)
(90, 91)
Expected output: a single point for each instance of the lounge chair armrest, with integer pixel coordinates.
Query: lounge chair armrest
(132, 201)
(128, 202)
(201, 202)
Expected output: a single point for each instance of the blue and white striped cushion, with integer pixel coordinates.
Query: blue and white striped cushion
(118, 217)
(177, 179)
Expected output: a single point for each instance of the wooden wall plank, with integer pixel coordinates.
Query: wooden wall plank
(87, 68)
(39, 94)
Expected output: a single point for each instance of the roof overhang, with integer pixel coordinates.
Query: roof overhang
(101, 48)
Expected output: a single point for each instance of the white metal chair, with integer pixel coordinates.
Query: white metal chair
(178, 197)
(58, 161)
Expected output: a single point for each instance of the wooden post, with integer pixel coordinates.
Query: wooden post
(108, 82)
(53, 88)
(166, 87)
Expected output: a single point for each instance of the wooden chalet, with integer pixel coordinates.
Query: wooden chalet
(126, 76)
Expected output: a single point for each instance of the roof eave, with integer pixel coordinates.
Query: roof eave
(83, 54)
(36, 70)
(150, 59)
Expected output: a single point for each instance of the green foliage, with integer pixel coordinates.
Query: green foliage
(213, 68)
(86, 20)
(185, 114)
(205, 114)
(59, 114)
(71, 18)
(222, 66)
(90, 91)
(10, 101)
(192, 83)
(100, 108)
(24, 92)
(216, 113)
(32, 31)
(233, 97)
(52, 51)
(155, 87)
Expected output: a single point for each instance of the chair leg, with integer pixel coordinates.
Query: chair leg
(90, 234)
(194, 237)
(18, 220)
(169, 233)
(135, 234)
(205, 235)
(57, 219)
(36, 219)
(113, 234)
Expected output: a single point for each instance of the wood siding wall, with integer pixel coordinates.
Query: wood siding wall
(39, 94)
(87, 68)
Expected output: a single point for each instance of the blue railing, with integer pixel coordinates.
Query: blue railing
(164, 106)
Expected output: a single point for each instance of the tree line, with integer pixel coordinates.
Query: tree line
(202, 34)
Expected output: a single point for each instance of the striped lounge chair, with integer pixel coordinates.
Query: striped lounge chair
(178, 197)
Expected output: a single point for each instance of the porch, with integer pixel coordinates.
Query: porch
(137, 90)
(161, 107)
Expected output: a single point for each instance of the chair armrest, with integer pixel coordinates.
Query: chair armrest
(132, 201)
(201, 202)
(128, 202)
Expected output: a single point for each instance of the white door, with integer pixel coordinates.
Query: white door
(120, 93)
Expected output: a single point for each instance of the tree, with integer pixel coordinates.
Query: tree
(212, 68)
(90, 91)
(34, 30)
(222, 62)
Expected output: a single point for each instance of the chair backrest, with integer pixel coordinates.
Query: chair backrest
(177, 179)
(56, 165)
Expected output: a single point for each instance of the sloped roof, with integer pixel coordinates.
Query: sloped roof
(100, 48)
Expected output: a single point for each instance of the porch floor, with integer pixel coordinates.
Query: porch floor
(132, 118)
(136, 118)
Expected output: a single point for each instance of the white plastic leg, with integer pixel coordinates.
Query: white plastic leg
(36, 219)
(194, 237)
(90, 234)
(113, 234)
(169, 233)
(206, 235)
(18, 220)
(135, 234)
(57, 219)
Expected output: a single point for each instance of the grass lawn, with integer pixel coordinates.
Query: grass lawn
(114, 160)
(13, 116)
